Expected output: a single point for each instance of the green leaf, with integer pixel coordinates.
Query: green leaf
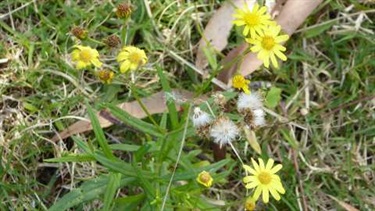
(291, 140)
(273, 97)
(88, 191)
(134, 122)
(99, 134)
(129, 202)
(71, 158)
(318, 30)
(113, 185)
(120, 166)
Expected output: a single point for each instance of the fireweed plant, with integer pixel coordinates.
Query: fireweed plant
(226, 118)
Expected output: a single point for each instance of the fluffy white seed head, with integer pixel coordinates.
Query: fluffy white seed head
(200, 118)
(259, 121)
(224, 131)
(258, 113)
(249, 101)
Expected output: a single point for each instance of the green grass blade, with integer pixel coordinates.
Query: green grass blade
(99, 133)
(113, 185)
(71, 158)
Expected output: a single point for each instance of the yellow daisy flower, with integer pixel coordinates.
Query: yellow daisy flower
(254, 21)
(268, 46)
(265, 180)
(239, 82)
(85, 57)
(130, 58)
(205, 179)
(106, 76)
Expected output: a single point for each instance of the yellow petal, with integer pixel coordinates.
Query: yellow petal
(75, 55)
(274, 61)
(266, 62)
(280, 55)
(124, 66)
(278, 186)
(276, 168)
(96, 62)
(265, 195)
(239, 22)
(248, 179)
(122, 56)
(269, 164)
(281, 38)
(249, 169)
(251, 185)
(256, 166)
(82, 65)
(275, 194)
(257, 193)
(261, 164)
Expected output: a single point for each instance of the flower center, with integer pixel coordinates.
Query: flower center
(239, 82)
(85, 55)
(264, 178)
(251, 19)
(205, 178)
(268, 42)
(135, 58)
(104, 75)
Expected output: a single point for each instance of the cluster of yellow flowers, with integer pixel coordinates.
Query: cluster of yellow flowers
(129, 57)
(262, 33)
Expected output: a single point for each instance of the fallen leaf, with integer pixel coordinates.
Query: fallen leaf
(217, 30)
(155, 104)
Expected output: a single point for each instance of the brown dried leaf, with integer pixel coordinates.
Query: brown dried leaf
(155, 104)
(217, 30)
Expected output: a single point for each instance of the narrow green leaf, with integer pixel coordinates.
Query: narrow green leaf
(89, 190)
(134, 122)
(286, 134)
(71, 158)
(169, 99)
(99, 133)
(113, 185)
(315, 31)
(121, 167)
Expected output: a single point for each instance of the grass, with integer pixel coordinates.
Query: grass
(328, 87)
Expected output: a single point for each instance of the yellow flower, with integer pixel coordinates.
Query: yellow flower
(255, 20)
(131, 58)
(250, 204)
(106, 76)
(239, 82)
(85, 57)
(268, 46)
(205, 179)
(265, 180)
